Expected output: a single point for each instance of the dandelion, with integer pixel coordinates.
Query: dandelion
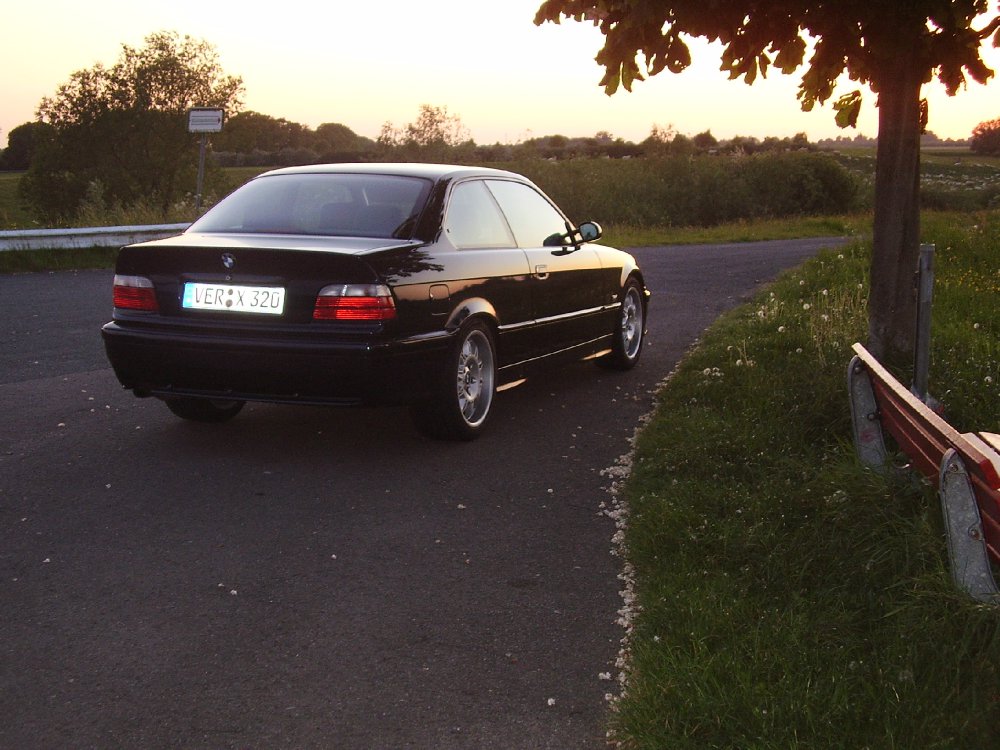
(781, 329)
(988, 380)
(806, 306)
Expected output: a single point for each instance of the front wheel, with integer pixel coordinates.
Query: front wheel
(203, 409)
(630, 330)
(463, 396)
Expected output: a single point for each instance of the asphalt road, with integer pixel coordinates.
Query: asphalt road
(310, 577)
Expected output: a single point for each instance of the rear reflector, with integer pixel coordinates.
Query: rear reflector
(355, 302)
(135, 293)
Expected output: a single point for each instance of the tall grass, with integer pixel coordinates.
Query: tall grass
(703, 191)
(13, 214)
(781, 595)
(96, 211)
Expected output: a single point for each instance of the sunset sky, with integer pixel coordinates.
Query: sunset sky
(366, 63)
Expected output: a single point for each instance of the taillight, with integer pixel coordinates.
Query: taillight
(354, 302)
(135, 293)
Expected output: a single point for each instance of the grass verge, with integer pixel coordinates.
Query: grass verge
(65, 259)
(624, 235)
(781, 596)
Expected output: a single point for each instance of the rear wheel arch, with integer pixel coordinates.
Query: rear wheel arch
(476, 306)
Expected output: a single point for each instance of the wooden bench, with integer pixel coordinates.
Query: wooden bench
(965, 468)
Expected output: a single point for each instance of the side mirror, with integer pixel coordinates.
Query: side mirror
(589, 231)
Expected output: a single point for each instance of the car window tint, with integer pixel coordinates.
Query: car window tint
(473, 218)
(352, 205)
(532, 218)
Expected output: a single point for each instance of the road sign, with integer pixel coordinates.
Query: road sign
(205, 119)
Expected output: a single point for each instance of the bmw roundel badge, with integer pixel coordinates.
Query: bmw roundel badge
(229, 260)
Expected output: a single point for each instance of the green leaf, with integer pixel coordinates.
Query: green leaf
(848, 107)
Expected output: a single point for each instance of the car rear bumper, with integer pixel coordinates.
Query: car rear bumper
(154, 362)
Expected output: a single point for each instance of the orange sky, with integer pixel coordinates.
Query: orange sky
(363, 64)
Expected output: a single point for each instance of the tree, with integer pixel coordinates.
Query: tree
(985, 137)
(22, 143)
(892, 46)
(432, 135)
(705, 141)
(338, 139)
(120, 133)
(251, 131)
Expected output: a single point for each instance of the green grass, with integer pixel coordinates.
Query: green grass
(68, 259)
(624, 235)
(12, 214)
(784, 597)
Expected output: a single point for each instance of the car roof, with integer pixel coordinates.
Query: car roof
(427, 171)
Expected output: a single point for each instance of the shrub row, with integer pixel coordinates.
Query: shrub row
(701, 191)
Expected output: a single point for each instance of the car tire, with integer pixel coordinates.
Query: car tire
(204, 410)
(629, 332)
(462, 398)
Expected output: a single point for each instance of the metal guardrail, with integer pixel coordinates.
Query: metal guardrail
(39, 239)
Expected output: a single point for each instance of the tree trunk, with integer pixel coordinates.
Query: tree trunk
(896, 236)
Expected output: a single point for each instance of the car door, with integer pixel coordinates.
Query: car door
(567, 284)
(488, 266)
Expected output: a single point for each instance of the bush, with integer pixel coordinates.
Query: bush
(702, 191)
(986, 138)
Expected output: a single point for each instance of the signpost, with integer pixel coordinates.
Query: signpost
(204, 120)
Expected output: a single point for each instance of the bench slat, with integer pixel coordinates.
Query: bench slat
(935, 431)
(925, 438)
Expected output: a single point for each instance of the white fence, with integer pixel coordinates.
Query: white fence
(38, 239)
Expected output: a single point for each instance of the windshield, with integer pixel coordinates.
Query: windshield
(344, 205)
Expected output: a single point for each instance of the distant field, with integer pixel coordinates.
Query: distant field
(619, 191)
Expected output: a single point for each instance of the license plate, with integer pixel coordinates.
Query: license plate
(265, 300)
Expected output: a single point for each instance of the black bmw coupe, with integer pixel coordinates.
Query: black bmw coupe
(429, 285)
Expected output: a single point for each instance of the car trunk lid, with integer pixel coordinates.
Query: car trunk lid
(285, 270)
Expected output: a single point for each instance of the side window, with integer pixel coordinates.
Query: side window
(532, 218)
(473, 219)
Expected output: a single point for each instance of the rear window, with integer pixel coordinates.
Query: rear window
(343, 205)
